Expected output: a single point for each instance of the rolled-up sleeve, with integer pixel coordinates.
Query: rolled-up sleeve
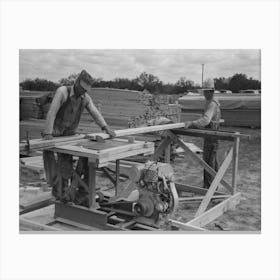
(96, 115)
(57, 101)
(207, 116)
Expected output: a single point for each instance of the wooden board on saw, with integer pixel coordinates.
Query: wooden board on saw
(34, 127)
(39, 144)
(138, 130)
(102, 153)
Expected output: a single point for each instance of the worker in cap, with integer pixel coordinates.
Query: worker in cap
(63, 119)
(209, 120)
(67, 107)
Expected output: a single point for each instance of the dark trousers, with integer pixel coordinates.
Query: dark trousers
(210, 149)
(63, 178)
(58, 172)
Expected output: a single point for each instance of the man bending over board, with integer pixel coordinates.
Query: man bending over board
(209, 120)
(62, 120)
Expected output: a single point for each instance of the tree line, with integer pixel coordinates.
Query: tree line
(146, 81)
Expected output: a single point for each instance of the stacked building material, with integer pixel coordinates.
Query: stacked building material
(29, 105)
(29, 108)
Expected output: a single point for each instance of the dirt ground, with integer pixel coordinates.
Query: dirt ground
(246, 216)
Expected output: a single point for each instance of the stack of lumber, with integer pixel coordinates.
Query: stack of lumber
(29, 105)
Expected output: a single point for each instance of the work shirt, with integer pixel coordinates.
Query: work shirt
(61, 97)
(211, 116)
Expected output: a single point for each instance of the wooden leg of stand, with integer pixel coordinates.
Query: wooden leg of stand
(117, 176)
(235, 165)
(167, 152)
(92, 184)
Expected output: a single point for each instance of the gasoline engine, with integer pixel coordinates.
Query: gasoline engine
(157, 193)
(149, 197)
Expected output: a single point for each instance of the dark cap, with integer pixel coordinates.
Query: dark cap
(85, 77)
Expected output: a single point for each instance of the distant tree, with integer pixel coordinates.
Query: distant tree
(69, 81)
(124, 83)
(221, 83)
(183, 85)
(241, 82)
(98, 82)
(254, 84)
(38, 84)
(168, 88)
(149, 82)
(237, 82)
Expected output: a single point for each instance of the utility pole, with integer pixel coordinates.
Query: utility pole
(202, 75)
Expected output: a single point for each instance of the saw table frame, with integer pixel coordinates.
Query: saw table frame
(204, 214)
(97, 158)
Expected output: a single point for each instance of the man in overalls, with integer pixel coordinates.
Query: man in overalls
(62, 120)
(209, 120)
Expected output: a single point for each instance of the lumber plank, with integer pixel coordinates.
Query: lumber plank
(191, 146)
(34, 226)
(117, 177)
(222, 135)
(138, 130)
(167, 153)
(220, 174)
(194, 189)
(76, 151)
(143, 151)
(92, 185)
(198, 198)
(235, 164)
(43, 200)
(198, 159)
(76, 224)
(102, 159)
(37, 144)
(124, 148)
(216, 211)
(186, 226)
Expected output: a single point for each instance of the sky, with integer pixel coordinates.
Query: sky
(167, 65)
